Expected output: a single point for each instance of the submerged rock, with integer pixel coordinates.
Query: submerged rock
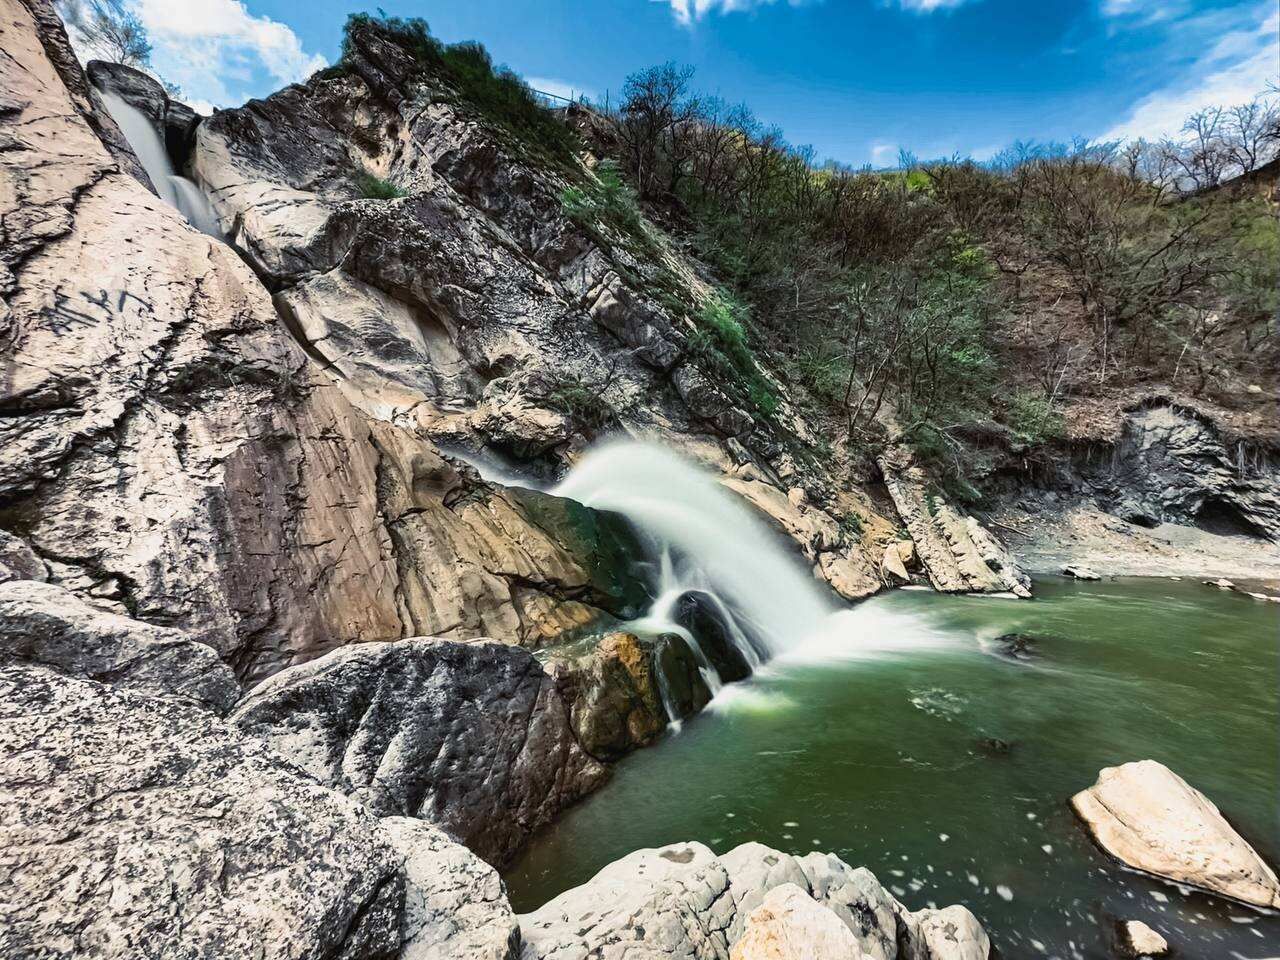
(1139, 940)
(473, 737)
(134, 826)
(1145, 815)
(1016, 646)
(682, 901)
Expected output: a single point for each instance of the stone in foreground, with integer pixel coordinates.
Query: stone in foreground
(455, 905)
(1139, 940)
(682, 902)
(133, 826)
(1150, 818)
(46, 624)
(791, 925)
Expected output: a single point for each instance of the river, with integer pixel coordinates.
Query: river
(905, 741)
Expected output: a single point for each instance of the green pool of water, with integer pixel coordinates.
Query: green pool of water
(877, 743)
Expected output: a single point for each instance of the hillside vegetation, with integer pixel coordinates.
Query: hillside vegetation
(1029, 298)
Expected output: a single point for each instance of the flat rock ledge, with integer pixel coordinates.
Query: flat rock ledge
(1145, 815)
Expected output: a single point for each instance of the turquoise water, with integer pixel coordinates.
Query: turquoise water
(904, 742)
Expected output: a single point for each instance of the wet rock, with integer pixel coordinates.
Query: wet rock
(1145, 815)
(44, 624)
(1139, 940)
(125, 812)
(472, 737)
(682, 901)
(455, 904)
(704, 617)
(619, 689)
(1079, 572)
(995, 747)
(790, 925)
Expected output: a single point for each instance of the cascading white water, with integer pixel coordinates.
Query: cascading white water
(176, 190)
(721, 547)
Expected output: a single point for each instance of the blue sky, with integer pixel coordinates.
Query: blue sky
(857, 79)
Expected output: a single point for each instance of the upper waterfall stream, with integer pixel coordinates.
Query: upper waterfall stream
(174, 189)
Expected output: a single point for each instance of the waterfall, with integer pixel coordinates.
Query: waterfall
(175, 190)
(709, 541)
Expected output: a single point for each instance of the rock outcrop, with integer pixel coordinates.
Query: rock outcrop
(623, 690)
(682, 901)
(169, 450)
(136, 826)
(472, 737)
(1171, 464)
(1139, 940)
(44, 624)
(1145, 815)
(957, 552)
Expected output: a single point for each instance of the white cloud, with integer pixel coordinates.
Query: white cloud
(1234, 70)
(560, 88)
(883, 154)
(208, 46)
(929, 6)
(688, 12)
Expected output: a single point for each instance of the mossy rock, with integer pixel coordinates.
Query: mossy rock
(602, 543)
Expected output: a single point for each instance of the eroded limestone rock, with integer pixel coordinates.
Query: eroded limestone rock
(790, 925)
(1139, 940)
(1145, 815)
(682, 902)
(958, 553)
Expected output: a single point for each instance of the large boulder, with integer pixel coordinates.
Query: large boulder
(1145, 815)
(455, 905)
(132, 826)
(473, 737)
(682, 902)
(47, 625)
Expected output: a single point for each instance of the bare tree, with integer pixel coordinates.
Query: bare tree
(1251, 133)
(109, 29)
(655, 105)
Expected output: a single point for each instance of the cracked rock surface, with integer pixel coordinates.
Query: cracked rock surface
(137, 826)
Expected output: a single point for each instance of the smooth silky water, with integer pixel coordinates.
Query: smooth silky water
(896, 735)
